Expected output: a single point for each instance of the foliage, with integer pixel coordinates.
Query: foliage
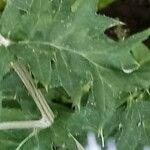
(91, 82)
(105, 3)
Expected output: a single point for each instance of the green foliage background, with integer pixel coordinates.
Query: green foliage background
(91, 82)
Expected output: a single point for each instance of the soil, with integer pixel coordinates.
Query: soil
(134, 13)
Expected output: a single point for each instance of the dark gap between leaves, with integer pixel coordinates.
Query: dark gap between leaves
(61, 97)
(40, 85)
(56, 148)
(134, 13)
(117, 32)
(22, 12)
(65, 104)
(114, 132)
(10, 104)
(84, 99)
(123, 106)
(52, 64)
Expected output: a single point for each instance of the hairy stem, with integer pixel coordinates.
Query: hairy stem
(46, 112)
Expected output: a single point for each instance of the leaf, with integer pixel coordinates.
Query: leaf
(5, 58)
(105, 3)
(135, 123)
(63, 45)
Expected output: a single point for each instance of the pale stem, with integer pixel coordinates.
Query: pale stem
(46, 112)
(27, 139)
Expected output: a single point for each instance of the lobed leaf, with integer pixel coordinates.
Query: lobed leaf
(83, 73)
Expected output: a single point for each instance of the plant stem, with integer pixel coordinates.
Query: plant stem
(46, 112)
(27, 139)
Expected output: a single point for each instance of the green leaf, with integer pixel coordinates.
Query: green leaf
(5, 58)
(105, 3)
(81, 72)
